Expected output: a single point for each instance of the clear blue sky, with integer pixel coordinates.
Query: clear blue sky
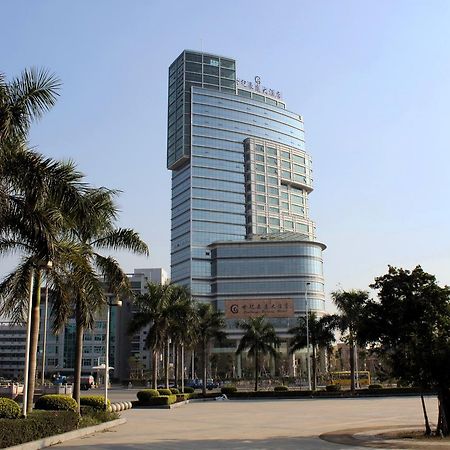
(371, 78)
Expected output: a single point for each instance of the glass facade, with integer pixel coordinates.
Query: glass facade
(239, 167)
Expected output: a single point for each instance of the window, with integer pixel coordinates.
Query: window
(285, 174)
(261, 198)
(273, 201)
(286, 165)
(274, 221)
(260, 188)
(272, 180)
(260, 167)
(288, 224)
(193, 67)
(272, 170)
(273, 209)
(210, 60)
(271, 151)
(271, 161)
(259, 157)
(260, 177)
(285, 205)
(259, 148)
(299, 159)
(261, 219)
(228, 73)
(286, 155)
(273, 190)
(228, 64)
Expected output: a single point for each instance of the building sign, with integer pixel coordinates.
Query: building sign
(257, 87)
(269, 307)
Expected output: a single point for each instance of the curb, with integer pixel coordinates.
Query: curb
(58, 438)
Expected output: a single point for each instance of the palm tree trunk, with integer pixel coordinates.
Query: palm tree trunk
(352, 365)
(175, 363)
(155, 369)
(314, 368)
(166, 366)
(34, 339)
(78, 355)
(204, 348)
(256, 370)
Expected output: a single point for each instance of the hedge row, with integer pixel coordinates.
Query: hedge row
(37, 425)
(330, 392)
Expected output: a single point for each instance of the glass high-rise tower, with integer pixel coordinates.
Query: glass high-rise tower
(240, 173)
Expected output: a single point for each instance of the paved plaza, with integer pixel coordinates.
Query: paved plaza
(258, 424)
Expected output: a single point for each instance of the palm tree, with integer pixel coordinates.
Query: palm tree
(37, 209)
(182, 327)
(92, 276)
(25, 99)
(321, 335)
(259, 339)
(351, 306)
(209, 327)
(151, 311)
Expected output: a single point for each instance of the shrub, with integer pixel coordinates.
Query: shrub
(227, 390)
(146, 394)
(96, 402)
(375, 386)
(9, 409)
(174, 391)
(38, 425)
(164, 392)
(333, 388)
(56, 402)
(189, 390)
(162, 400)
(280, 388)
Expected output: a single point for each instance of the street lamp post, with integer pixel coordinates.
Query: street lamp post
(308, 361)
(115, 302)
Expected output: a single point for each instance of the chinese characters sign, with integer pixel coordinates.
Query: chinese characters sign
(269, 307)
(257, 87)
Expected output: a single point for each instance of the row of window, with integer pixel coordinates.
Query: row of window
(239, 104)
(242, 125)
(244, 132)
(250, 118)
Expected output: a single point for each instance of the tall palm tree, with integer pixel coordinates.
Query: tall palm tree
(259, 339)
(182, 327)
(25, 99)
(151, 311)
(91, 275)
(38, 209)
(210, 325)
(351, 306)
(321, 335)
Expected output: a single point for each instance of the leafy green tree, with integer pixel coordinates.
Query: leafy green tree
(209, 327)
(321, 335)
(259, 339)
(410, 326)
(351, 306)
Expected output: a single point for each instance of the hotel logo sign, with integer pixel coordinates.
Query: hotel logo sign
(268, 307)
(257, 87)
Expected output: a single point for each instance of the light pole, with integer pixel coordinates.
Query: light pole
(110, 304)
(308, 362)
